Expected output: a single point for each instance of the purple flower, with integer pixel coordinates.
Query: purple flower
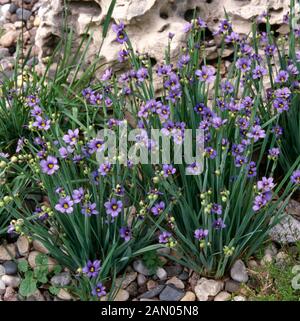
(274, 152)
(216, 209)
(72, 137)
(210, 152)
(240, 161)
(282, 77)
(158, 208)
(36, 111)
(65, 151)
(99, 290)
(251, 169)
(218, 224)
(277, 130)
(87, 93)
(77, 195)
(283, 93)
(32, 100)
(293, 70)
(92, 269)
(171, 35)
(194, 169)
(217, 122)
(244, 64)
(233, 37)
(281, 105)
(224, 26)
(142, 74)
(256, 133)
(119, 30)
(183, 61)
(96, 99)
(113, 207)
(258, 72)
(89, 209)
(125, 233)
(65, 205)
(200, 234)
(187, 27)
(20, 144)
(206, 74)
(123, 55)
(95, 145)
(168, 170)
(295, 178)
(261, 201)
(105, 168)
(164, 70)
(227, 87)
(40, 123)
(164, 237)
(270, 50)
(266, 184)
(49, 165)
(107, 74)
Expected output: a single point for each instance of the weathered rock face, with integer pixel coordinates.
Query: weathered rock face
(148, 22)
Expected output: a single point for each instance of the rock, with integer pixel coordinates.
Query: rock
(122, 295)
(124, 282)
(176, 282)
(238, 272)
(293, 208)
(193, 280)
(173, 270)
(222, 296)
(23, 14)
(271, 250)
(151, 284)
(163, 251)
(2, 270)
(266, 259)
(171, 293)
(287, 231)
(183, 276)
(282, 259)
(161, 273)
(32, 257)
(4, 52)
(141, 279)
(10, 267)
(11, 281)
(252, 264)
(232, 286)
(63, 294)
(143, 299)
(152, 293)
(23, 245)
(2, 287)
(9, 38)
(132, 289)
(139, 267)
(7, 252)
(189, 296)
(38, 246)
(37, 21)
(61, 279)
(12, 8)
(206, 288)
(36, 296)
(10, 294)
(239, 298)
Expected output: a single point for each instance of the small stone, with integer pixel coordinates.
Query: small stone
(171, 293)
(64, 295)
(151, 284)
(4, 52)
(183, 276)
(19, 24)
(122, 295)
(206, 288)
(232, 286)
(239, 298)
(271, 250)
(152, 293)
(38, 246)
(173, 270)
(12, 8)
(267, 259)
(144, 299)
(61, 279)
(161, 273)
(287, 231)
(23, 14)
(10, 267)
(252, 264)
(32, 257)
(37, 21)
(124, 282)
(141, 279)
(163, 251)
(189, 296)
(132, 289)
(282, 259)
(11, 281)
(139, 267)
(238, 272)
(23, 245)
(176, 282)
(193, 280)
(7, 252)
(222, 296)
(2, 270)
(10, 294)
(2, 287)
(36, 296)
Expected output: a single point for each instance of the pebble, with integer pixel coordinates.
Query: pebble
(61, 279)
(4, 52)
(38, 246)
(232, 286)
(11, 281)
(64, 295)
(271, 250)
(10, 294)
(132, 289)
(10, 267)
(222, 296)
(36, 296)
(171, 293)
(252, 264)
(189, 296)
(123, 282)
(238, 272)
(163, 251)
(12, 8)
(176, 282)
(2, 270)
(122, 295)
(7, 252)
(2, 287)
(32, 257)
(37, 21)
(183, 276)
(23, 14)
(152, 293)
(23, 245)
(173, 270)
(206, 288)
(282, 259)
(161, 273)
(141, 279)
(267, 259)
(139, 267)
(239, 298)
(151, 284)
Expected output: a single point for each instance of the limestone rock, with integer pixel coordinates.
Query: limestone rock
(206, 288)
(287, 231)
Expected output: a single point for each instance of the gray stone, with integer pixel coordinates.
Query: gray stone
(2, 287)
(287, 231)
(207, 288)
(11, 281)
(171, 293)
(173, 270)
(139, 267)
(222, 296)
(152, 293)
(141, 279)
(12, 8)
(183, 276)
(4, 52)
(123, 282)
(10, 267)
(36, 296)
(161, 274)
(238, 272)
(2, 270)
(239, 298)
(232, 286)
(23, 14)
(61, 279)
